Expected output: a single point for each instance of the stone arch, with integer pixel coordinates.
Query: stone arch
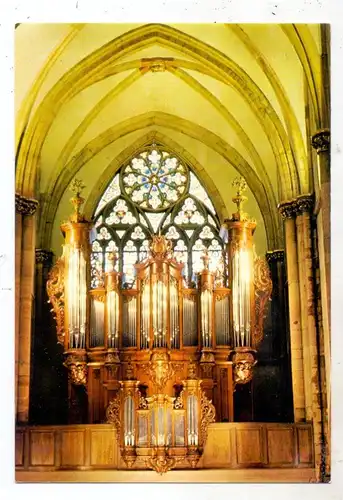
(268, 210)
(93, 64)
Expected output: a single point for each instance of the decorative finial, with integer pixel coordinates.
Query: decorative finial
(240, 185)
(77, 187)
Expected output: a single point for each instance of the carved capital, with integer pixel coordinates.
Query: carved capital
(44, 256)
(299, 205)
(305, 203)
(25, 206)
(275, 256)
(321, 141)
(288, 209)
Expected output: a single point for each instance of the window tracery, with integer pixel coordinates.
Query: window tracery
(155, 193)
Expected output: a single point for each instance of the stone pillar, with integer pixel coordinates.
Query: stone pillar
(18, 237)
(25, 262)
(321, 142)
(300, 262)
(288, 211)
(311, 347)
(304, 317)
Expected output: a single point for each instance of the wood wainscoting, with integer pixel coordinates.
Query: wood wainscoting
(234, 452)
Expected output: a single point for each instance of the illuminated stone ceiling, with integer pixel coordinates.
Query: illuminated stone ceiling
(229, 98)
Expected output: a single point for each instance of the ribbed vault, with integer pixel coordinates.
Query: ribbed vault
(219, 96)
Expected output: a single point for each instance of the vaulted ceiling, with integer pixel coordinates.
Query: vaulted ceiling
(230, 99)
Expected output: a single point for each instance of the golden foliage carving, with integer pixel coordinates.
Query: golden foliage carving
(208, 415)
(161, 463)
(55, 290)
(263, 289)
(113, 415)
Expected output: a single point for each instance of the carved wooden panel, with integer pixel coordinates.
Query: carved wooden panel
(280, 445)
(305, 455)
(217, 451)
(19, 448)
(73, 448)
(228, 446)
(249, 446)
(42, 448)
(103, 448)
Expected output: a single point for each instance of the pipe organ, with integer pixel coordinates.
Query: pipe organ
(160, 360)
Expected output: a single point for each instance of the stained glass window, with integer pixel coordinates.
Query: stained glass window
(155, 193)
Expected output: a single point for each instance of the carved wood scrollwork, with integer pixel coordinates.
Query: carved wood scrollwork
(55, 290)
(161, 464)
(159, 370)
(208, 415)
(263, 289)
(113, 415)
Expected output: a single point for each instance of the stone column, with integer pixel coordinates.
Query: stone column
(311, 347)
(304, 316)
(18, 237)
(288, 211)
(321, 142)
(25, 253)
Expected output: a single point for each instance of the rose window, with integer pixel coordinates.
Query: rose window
(155, 180)
(156, 193)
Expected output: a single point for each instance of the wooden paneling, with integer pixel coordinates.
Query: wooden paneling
(73, 448)
(19, 448)
(103, 448)
(249, 446)
(280, 446)
(229, 446)
(305, 445)
(217, 451)
(42, 448)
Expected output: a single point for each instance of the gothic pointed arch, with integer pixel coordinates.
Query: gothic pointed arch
(155, 192)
